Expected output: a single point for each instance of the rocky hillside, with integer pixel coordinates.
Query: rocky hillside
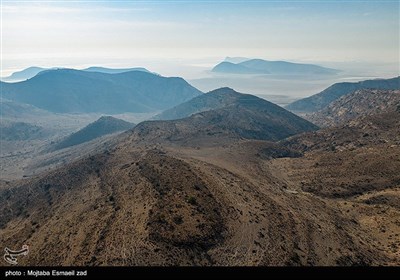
(357, 104)
(324, 98)
(157, 204)
(327, 197)
(241, 116)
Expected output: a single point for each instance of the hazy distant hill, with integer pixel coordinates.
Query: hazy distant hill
(68, 90)
(18, 131)
(232, 68)
(103, 126)
(325, 97)
(260, 66)
(23, 74)
(114, 70)
(12, 109)
(237, 116)
(33, 71)
(212, 100)
(360, 103)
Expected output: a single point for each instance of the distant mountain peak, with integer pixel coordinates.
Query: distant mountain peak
(232, 68)
(106, 118)
(222, 90)
(221, 115)
(23, 74)
(226, 113)
(211, 100)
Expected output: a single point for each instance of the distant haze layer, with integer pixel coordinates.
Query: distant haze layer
(165, 36)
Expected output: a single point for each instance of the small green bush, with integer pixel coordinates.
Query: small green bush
(192, 200)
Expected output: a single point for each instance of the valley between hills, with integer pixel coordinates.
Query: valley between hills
(217, 179)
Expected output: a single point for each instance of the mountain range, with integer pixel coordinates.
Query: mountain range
(212, 189)
(217, 179)
(322, 99)
(260, 66)
(75, 91)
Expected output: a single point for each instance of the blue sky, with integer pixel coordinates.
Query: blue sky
(156, 34)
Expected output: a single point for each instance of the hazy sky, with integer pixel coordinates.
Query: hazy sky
(163, 34)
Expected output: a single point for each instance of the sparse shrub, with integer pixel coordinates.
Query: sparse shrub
(178, 220)
(160, 218)
(192, 200)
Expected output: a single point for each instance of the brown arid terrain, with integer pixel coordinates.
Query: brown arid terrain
(362, 102)
(328, 197)
(29, 145)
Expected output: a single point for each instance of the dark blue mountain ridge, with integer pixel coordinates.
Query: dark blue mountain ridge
(32, 71)
(76, 91)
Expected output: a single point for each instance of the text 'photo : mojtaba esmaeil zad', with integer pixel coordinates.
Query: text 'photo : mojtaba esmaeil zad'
(172, 136)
